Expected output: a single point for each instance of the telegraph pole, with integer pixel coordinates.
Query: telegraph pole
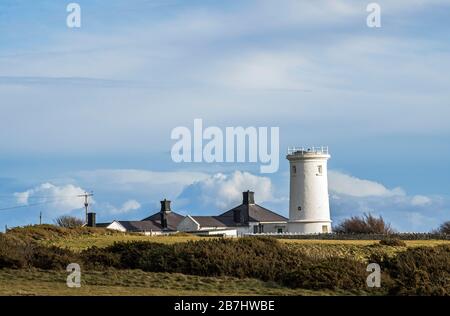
(40, 218)
(86, 196)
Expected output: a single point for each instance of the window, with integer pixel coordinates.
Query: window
(319, 170)
(294, 169)
(299, 208)
(324, 229)
(280, 230)
(255, 229)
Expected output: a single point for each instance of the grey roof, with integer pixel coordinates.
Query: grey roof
(140, 226)
(256, 213)
(151, 223)
(173, 219)
(102, 224)
(210, 221)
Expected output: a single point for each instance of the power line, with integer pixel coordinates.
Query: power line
(15, 195)
(32, 204)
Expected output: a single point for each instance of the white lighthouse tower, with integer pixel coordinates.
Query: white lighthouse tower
(309, 208)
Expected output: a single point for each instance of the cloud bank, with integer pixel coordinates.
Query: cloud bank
(350, 196)
(127, 207)
(222, 191)
(199, 193)
(57, 200)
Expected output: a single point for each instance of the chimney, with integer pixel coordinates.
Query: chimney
(165, 208)
(91, 220)
(237, 215)
(241, 213)
(248, 197)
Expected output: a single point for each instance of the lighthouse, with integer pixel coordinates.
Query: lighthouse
(309, 207)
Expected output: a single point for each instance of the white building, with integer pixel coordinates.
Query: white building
(163, 222)
(247, 218)
(309, 209)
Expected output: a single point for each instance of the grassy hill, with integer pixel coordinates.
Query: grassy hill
(115, 263)
(81, 238)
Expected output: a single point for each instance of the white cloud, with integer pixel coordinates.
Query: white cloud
(22, 197)
(344, 184)
(137, 176)
(155, 184)
(350, 196)
(128, 206)
(263, 70)
(221, 191)
(419, 200)
(56, 199)
(359, 79)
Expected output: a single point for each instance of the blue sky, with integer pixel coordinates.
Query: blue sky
(92, 108)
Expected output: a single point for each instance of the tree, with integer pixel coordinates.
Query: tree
(68, 221)
(444, 228)
(366, 224)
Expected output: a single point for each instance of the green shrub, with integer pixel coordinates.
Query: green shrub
(17, 254)
(13, 253)
(414, 271)
(51, 232)
(95, 257)
(335, 273)
(262, 258)
(50, 258)
(418, 271)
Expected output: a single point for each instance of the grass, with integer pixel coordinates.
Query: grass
(81, 238)
(79, 243)
(136, 282)
(78, 239)
(83, 242)
(409, 243)
(360, 250)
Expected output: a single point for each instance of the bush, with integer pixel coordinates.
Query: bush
(414, 271)
(362, 236)
(261, 258)
(51, 232)
(393, 242)
(13, 252)
(68, 222)
(95, 257)
(330, 273)
(366, 224)
(50, 258)
(254, 257)
(418, 271)
(444, 228)
(17, 254)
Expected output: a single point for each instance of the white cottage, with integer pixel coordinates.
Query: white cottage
(163, 222)
(246, 218)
